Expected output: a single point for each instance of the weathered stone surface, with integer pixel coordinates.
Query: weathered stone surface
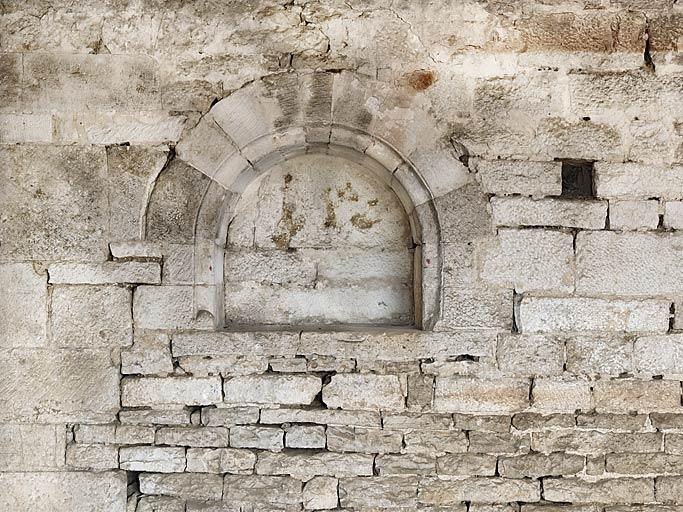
(31, 447)
(530, 354)
(556, 395)
(91, 316)
(134, 434)
(435, 442)
(305, 436)
(92, 457)
(272, 389)
(109, 272)
(220, 460)
(76, 491)
(641, 264)
(363, 440)
(24, 317)
(448, 492)
(633, 215)
(542, 314)
(265, 438)
(469, 395)
(522, 211)
(657, 355)
(160, 504)
(673, 214)
(59, 386)
(618, 490)
(365, 392)
(230, 416)
(537, 465)
(593, 441)
(306, 465)
(631, 180)
(154, 417)
(321, 416)
(408, 464)
(636, 395)
(149, 355)
(58, 195)
(498, 442)
(600, 354)
(476, 307)
(379, 492)
(529, 260)
(668, 489)
(271, 491)
(507, 177)
(193, 436)
(643, 463)
(163, 307)
(159, 391)
(95, 434)
(320, 493)
(467, 464)
(201, 487)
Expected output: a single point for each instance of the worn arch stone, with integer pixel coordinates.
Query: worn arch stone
(389, 131)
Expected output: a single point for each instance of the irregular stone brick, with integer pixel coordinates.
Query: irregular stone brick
(473, 307)
(555, 395)
(152, 459)
(530, 354)
(322, 417)
(643, 463)
(632, 180)
(633, 215)
(483, 422)
(536, 421)
(380, 492)
(435, 441)
(195, 486)
(529, 260)
(155, 417)
(320, 493)
(523, 211)
(209, 437)
(95, 434)
(159, 504)
(502, 442)
(600, 354)
(163, 307)
(220, 460)
(160, 391)
(590, 442)
(638, 396)
(668, 489)
(272, 389)
(31, 447)
(263, 491)
(134, 434)
(214, 417)
(482, 489)
(365, 392)
(109, 272)
(417, 421)
(265, 438)
(631, 422)
(25, 316)
(536, 465)
(542, 314)
(350, 439)
(74, 491)
(657, 355)
(467, 464)
(617, 490)
(673, 214)
(507, 177)
(91, 316)
(149, 355)
(408, 464)
(305, 436)
(673, 443)
(666, 420)
(92, 457)
(306, 465)
(469, 395)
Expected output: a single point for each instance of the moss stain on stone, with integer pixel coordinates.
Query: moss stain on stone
(361, 221)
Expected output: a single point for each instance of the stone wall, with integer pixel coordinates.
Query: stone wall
(514, 242)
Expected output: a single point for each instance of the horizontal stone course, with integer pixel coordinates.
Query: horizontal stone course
(159, 391)
(522, 211)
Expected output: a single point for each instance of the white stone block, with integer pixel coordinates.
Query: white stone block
(272, 389)
(109, 272)
(23, 307)
(633, 215)
(524, 211)
(364, 392)
(170, 391)
(152, 459)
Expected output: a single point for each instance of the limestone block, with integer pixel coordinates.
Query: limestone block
(59, 386)
(109, 272)
(149, 355)
(483, 422)
(408, 464)
(641, 264)
(668, 489)
(546, 314)
(31, 447)
(537, 465)
(135, 249)
(220, 460)
(632, 422)
(529, 260)
(152, 459)
(272, 389)
(642, 463)
(155, 417)
(539, 421)
(22, 128)
(305, 436)
(435, 442)
(193, 436)
(24, 317)
(626, 215)
(364, 392)
(320, 493)
(230, 416)
(307, 465)
(657, 355)
(523, 211)
(618, 490)
(636, 395)
(160, 504)
(264, 438)
(74, 82)
(92, 457)
(589, 442)
(363, 440)
(673, 443)
(556, 395)
(58, 194)
(531, 355)
(587, 140)
(134, 434)
(469, 395)
(201, 487)
(483, 489)
(163, 307)
(321, 417)
(379, 492)
(673, 214)
(633, 180)
(10, 86)
(74, 491)
(467, 464)
(507, 177)
(160, 391)
(600, 354)
(95, 434)
(91, 316)
(478, 306)
(262, 491)
(498, 442)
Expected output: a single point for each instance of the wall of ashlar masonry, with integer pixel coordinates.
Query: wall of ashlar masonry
(528, 157)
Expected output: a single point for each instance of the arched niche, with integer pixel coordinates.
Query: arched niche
(388, 132)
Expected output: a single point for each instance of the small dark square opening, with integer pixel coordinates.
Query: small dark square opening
(577, 178)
